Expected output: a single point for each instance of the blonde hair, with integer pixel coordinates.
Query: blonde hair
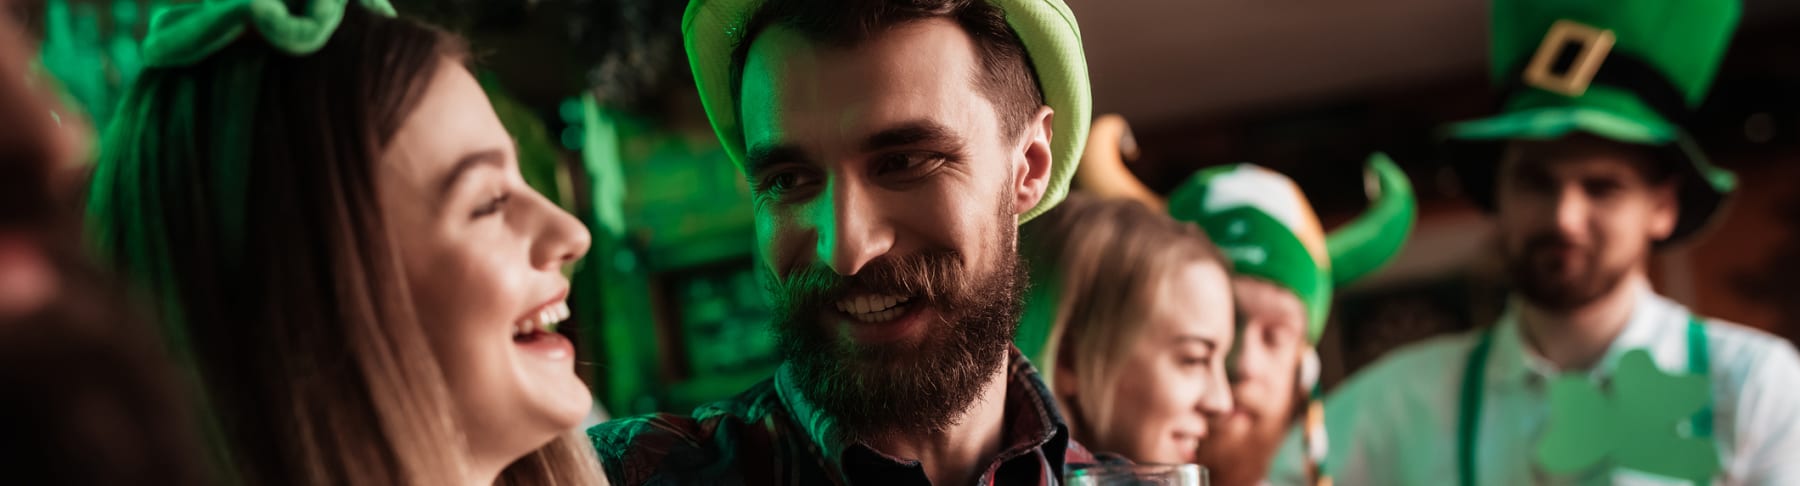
(1102, 259)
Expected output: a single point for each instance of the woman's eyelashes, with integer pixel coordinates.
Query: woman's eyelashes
(1193, 360)
(493, 206)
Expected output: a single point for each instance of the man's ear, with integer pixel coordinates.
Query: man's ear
(1665, 209)
(1032, 163)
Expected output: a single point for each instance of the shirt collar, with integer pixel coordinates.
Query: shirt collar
(1032, 422)
(1512, 362)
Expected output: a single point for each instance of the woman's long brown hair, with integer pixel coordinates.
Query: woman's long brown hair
(239, 195)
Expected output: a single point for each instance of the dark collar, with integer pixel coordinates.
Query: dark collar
(1032, 423)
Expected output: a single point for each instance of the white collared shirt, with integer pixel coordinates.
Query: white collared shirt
(1394, 423)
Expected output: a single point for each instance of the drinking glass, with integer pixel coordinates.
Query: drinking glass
(1135, 475)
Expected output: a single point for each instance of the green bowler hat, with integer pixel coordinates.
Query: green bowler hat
(1262, 222)
(1047, 28)
(1623, 70)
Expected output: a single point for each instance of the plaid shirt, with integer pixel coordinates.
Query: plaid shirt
(770, 435)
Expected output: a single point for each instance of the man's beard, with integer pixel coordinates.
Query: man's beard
(1534, 274)
(923, 385)
(1235, 457)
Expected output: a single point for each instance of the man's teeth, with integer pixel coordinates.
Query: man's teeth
(545, 320)
(873, 308)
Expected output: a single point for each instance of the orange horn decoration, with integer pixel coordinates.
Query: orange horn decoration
(1102, 171)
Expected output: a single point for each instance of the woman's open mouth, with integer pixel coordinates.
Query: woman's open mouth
(541, 323)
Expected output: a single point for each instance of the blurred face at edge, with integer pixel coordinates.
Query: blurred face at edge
(1265, 375)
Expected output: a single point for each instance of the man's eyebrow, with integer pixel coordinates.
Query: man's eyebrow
(760, 157)
(910, 133)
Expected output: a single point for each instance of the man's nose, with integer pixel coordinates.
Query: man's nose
(851, 227)
(1571, 211)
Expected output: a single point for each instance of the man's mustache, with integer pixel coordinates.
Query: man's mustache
(934, 277)
(1553, 241)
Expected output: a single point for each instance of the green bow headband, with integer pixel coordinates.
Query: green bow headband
(185, 34)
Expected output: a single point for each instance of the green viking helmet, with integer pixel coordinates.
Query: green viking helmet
(1265, 226)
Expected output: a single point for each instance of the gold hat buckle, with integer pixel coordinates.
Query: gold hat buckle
(1592, 44)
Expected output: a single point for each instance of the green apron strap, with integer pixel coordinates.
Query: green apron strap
(1468, 415)
(1474, 377)
(1699, 363)
(1316, 404)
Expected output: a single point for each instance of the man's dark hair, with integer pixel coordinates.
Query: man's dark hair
(1006, 77)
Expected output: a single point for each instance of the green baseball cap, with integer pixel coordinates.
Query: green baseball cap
(1260, 220)
(1623, 70)
(1047, 28)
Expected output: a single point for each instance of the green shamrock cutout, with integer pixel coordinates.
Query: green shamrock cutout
(1634, 426)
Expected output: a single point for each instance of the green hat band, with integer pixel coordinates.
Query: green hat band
(185, 34)
(1604, 111)
(1047, 28)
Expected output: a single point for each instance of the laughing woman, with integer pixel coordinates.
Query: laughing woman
(329, 219)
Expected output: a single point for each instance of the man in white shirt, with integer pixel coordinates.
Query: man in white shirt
(1586, 172)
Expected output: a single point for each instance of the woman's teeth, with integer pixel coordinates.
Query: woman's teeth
(545, 320)
(873, 308)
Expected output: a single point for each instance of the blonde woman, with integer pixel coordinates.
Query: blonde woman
(1139, 324)
(330, 221)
